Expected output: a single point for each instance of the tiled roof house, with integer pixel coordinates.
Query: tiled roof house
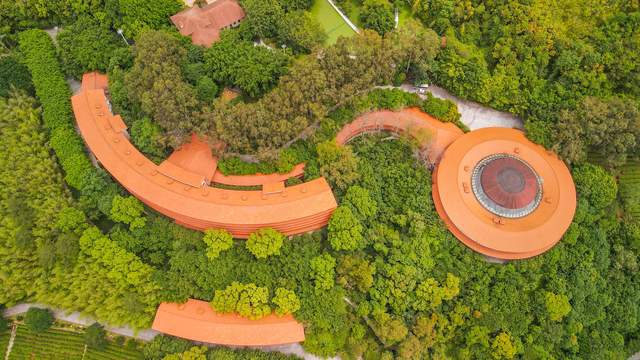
(205, 24)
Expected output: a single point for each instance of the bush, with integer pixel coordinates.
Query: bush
(286, 301)
(54, 94)
(38, 320)
(443, 109)
(14, 74)
(128, 210)
(206, 89)
(138, 15)
(95, 336)
(248, 300)
(265, 242)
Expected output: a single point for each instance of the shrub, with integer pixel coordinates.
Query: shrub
(138, 15)
(54, 94)
(443, 109)
(217, 240)
(14, 74)
(265, 242)
(38, 320)
(94, 336)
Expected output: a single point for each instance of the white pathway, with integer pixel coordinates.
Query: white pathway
(472, 114)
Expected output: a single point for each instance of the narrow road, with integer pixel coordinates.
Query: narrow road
(11, 341)
(472, 114)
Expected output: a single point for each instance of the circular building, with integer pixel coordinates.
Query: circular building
(502, 195)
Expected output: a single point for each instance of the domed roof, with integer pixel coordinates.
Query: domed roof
(506, 186)
(502, 195)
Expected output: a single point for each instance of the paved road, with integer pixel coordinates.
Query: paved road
(472, 114)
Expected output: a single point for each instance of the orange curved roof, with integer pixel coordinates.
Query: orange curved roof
(257, 179)
(482, 230)
(196, 320)
(434, 135)
(174, 190)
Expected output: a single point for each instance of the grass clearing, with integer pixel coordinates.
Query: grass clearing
(331, 21)
(55, 344)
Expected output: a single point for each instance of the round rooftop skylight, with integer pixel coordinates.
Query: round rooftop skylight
(506, 186)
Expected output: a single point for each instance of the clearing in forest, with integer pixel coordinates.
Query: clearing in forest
(332, 23)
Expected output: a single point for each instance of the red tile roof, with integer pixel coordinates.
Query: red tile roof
(204, 24)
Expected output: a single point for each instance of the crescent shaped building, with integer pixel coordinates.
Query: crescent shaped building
(502, 195)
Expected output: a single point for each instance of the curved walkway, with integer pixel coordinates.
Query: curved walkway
(179, 188)
(433, 136)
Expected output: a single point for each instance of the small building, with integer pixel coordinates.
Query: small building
(205, 24)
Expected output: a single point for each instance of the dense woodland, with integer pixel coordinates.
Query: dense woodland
(385, 279)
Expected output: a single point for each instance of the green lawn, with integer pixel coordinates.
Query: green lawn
(59, 344)
(331, 21)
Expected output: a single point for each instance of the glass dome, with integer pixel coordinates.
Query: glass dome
(506, 186)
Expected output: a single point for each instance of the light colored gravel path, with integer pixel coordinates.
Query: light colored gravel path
(472, 114)
(11, 341)
(77, 318)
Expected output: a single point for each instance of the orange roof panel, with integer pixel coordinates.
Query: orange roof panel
(197, 321)
(195, 157)
(204, 24)
(470, 220)
(178, 193)
(434, 135)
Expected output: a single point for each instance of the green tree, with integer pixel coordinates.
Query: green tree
(86, 45)
(217, 241)
(354, 271)
(138, 15)
(263, 18)
(361, 201)
(301, 31)
(128, 210)
(338, 164)
(377, 15)
(195, 353)
(206, 89)
(13, 74)
(38, 320)
(608, 127)
(502, 347)
(155, 82)
(557, 305)
(345, 231)
(248, 300)
(265, 242)
(95, 336)
(323, 271)
(285, 301)
(594, 184)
